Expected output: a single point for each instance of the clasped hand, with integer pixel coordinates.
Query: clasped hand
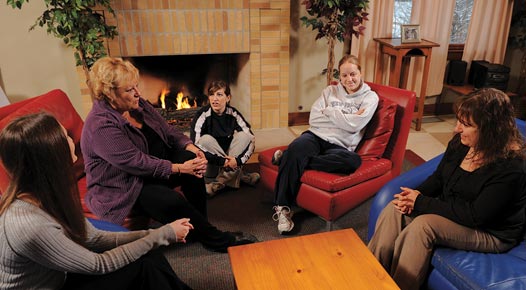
(404, 201)
(181, 228)
(196, 166)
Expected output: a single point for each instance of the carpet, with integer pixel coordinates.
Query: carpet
(249, 209)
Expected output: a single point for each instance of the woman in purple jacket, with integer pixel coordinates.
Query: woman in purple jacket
(134, 159)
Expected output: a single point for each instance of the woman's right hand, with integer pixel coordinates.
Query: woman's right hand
(181, 228)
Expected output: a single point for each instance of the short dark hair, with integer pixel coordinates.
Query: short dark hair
(37, 157)
(217, 85)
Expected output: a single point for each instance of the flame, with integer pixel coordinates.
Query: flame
(182, 102)
(164, 92)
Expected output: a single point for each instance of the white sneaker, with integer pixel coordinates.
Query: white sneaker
(283, 216)
(276, 157)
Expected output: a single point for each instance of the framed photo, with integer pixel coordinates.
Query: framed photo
(410, 33)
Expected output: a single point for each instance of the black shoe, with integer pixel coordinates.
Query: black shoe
(238, 238)
(241, 238)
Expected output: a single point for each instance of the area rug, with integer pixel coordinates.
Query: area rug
(249, 209)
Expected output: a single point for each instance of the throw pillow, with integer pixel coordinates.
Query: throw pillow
(378, 131)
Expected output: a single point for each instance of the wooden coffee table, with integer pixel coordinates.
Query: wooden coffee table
(330, 260)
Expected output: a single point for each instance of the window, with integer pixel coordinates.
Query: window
(461, 18)
(402, 15)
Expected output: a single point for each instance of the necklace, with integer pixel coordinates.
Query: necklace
(471, 161)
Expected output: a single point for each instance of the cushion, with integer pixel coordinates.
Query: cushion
(378, 131)
(57, 103)
(473, 270)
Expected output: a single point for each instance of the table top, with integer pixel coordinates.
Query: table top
(329, 260)
(397, 43)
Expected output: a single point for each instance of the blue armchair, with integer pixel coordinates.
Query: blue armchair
(455, 269)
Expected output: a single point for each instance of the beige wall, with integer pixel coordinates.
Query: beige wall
(307, 60)
(33, 62)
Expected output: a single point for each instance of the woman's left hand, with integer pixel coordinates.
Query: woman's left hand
(196, 166)
(405, 200)
(230, 162)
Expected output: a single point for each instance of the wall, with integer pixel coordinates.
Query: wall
(33, 62)
(307, 60)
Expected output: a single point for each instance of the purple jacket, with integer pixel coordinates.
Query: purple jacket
(116, 159)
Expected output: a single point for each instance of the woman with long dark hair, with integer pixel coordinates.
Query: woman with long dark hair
(47, 243)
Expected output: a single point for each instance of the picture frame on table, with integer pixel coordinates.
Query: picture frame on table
(410, 33)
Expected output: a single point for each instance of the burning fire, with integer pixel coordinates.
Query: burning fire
(181, 100)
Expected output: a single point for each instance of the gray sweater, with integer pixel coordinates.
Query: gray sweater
(36, 254)
(333, 116)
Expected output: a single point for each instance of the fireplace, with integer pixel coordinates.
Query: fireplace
(177, 84)
(258, 31)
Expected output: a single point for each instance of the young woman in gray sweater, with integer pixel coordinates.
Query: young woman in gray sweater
(47, 243)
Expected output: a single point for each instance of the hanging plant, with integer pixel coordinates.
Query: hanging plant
(335, 20)
(80, 24)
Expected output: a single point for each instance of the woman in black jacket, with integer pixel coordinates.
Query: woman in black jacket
(474, 201)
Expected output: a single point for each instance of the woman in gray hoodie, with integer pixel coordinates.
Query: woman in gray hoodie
(337, 122)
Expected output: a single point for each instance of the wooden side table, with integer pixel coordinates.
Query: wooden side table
(400, 56)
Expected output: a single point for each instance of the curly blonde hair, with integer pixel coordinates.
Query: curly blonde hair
(110, 73)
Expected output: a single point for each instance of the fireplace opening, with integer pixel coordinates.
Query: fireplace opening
(176, 85)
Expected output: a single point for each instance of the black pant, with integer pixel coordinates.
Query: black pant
(151, 271)
(309, 151)
(160, 201)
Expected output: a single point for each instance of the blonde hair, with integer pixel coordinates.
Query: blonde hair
(110, 73)
(349, 58)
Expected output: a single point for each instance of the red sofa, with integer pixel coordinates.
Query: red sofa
(57, 103)
(382, 149)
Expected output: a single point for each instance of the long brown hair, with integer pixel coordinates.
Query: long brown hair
(492, 112)
(37, 158)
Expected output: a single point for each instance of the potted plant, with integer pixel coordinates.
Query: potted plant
(80, 24)
(335, 20)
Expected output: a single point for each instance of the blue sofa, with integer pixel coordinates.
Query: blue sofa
(455, 269)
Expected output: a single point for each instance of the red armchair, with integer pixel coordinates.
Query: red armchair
(331, 195)
(57, 103)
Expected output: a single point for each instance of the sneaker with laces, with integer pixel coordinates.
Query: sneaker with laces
(283, 215)
(276, 157)
(250, 178)
(213, 187)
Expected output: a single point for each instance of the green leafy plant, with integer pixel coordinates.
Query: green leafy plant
(80, 24)
(335, 20)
